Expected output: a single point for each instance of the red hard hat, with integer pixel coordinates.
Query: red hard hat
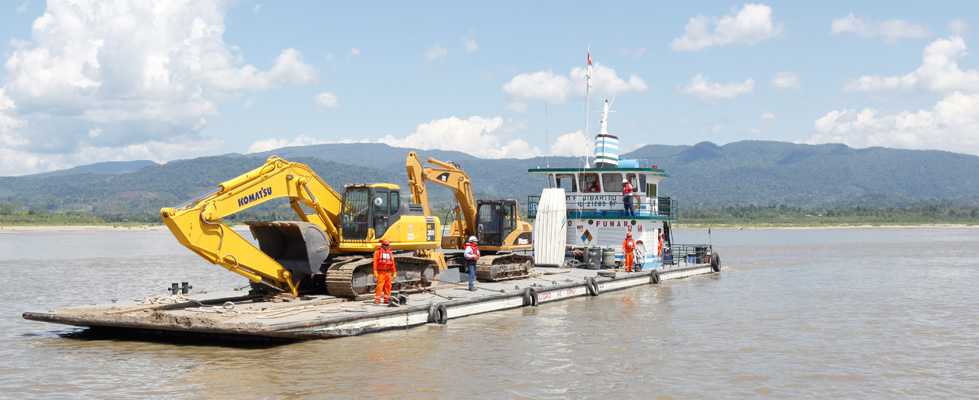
(628, 235)
(385, 241)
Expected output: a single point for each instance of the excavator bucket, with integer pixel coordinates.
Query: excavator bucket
(300, 247)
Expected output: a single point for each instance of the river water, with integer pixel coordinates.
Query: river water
(795, 313)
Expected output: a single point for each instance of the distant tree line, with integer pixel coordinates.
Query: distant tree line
(752, 215)
(778, 215)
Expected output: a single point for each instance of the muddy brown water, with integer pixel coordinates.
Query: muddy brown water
(802, 313)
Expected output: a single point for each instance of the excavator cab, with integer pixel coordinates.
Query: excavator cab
(496, 220)
(367, 207)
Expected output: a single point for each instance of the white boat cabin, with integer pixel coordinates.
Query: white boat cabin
(598, 191)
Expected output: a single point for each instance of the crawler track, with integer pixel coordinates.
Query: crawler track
(354, 276)
(501, 267)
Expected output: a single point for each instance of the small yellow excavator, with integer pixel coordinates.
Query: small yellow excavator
(494, 223)
(330, 250)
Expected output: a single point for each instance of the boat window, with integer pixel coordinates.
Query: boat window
(589, 183)
(652, 190)
(612, 182)
(566, 182)
(642, 182)
(550, 181)
(632, 179)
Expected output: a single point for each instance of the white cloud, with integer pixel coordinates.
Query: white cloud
(767, 116)
(541, 86)
(436, 52)
(786, 80)
(701, 88)
(327, 100)
(891, 30)
(481, 137)
(573, 144)
(717, 128)
(939, 72)
(754, 131)
(469, 45)
(958, 27)
(749, 25)
(952, 125)
(550, 88)
(142, 76)
(355, 52)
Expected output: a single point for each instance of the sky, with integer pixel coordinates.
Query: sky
(87, 81)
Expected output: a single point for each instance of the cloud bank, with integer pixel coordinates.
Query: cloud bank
(121, 80)
(751, 24)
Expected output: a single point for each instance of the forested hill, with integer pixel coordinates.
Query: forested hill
(741, 173)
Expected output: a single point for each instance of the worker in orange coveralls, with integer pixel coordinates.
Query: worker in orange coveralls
(384, 271)
(628, 246)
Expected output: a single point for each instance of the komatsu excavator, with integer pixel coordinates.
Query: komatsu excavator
(494, 223)
(328, 251)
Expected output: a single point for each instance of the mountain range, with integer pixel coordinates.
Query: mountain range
(704, 174)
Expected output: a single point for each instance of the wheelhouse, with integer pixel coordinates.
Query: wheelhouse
(598, 191)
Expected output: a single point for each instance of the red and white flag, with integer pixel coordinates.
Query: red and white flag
(588, 72)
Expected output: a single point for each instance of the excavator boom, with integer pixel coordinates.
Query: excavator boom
(494, 222)
(290, 251)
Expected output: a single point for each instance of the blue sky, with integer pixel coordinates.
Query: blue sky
(89, 81)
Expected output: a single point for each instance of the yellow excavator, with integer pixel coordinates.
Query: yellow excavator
(329, 250)
(495, 223)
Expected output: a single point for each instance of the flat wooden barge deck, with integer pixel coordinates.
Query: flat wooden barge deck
(320, 317)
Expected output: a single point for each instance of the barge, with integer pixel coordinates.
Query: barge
(295, 261)
(239, 316)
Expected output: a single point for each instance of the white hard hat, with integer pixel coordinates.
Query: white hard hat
(472, 239)
(624, 180)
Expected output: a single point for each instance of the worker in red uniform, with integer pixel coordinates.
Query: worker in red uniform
(628, 247)
(384, 271)
(627, 198)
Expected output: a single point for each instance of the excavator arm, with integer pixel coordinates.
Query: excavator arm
(447, 175)
(498, 261)
(197, 224)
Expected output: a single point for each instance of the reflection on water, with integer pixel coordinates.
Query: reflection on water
(854, 313)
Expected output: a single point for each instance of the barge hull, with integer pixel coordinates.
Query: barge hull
(323, 317)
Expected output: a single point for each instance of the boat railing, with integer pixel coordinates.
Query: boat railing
(667, 207)
(686, 254)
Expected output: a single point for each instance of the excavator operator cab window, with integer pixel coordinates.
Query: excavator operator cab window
(385, 205)
(509, 218)
(356, 212)
(489, 224)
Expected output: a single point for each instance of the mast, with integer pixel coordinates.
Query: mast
(587, 90)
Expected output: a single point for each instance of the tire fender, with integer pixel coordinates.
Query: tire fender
(592, 286)
(715, 262)
(530, 297)
(654, 277)
(437, 314)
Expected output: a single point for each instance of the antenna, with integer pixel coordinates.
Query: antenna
(546, 141)
(587, 90)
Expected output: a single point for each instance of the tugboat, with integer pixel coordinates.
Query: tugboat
(597, 220)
